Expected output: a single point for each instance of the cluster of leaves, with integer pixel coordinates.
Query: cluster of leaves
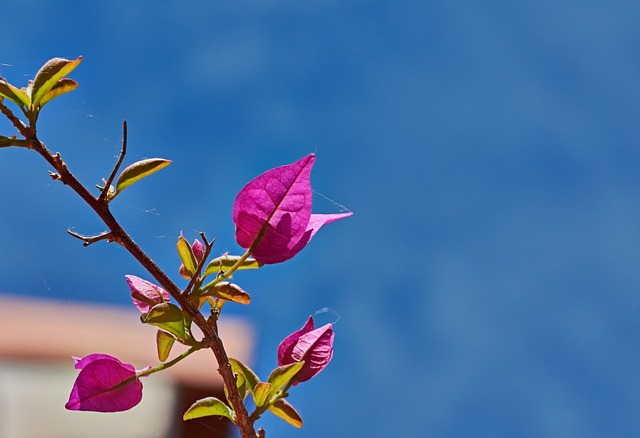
(49, 83)
(273, 220)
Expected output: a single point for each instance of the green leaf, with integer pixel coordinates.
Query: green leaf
(241, 385)
(283, 409)
(168, 317)
(186, 256)
(241, 369)
(223, 263)
(228, 291)
(61, 87)
(281, 375)
(261, 393)
(48, 75)
(164, 341)
(208, 406)
(14, 94)
(137, 171)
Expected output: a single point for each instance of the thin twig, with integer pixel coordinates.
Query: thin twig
(123, 151)
(21, 127)
(88, 240)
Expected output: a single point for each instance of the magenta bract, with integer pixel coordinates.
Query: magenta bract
(104, 385)
(145, 294)
(198, 250)
(314, 347)
(276, 209)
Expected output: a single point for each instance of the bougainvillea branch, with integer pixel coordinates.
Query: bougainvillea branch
(273, 219)
(211, 337)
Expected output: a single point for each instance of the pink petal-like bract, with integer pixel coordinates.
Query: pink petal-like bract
(285, 349)
(314, 347)
(145, 294)
(104, 385)
(275, 208)
(198, 250)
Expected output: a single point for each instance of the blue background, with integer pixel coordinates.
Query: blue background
(488, 282)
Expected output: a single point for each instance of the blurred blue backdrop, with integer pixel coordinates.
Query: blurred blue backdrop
(488, 283)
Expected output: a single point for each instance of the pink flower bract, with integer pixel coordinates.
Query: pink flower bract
(145, 294)
(101, 387)
(314, 347)
(198, 250)
(276, 209)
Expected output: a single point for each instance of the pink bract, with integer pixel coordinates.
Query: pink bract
(101, 387)
(198, 250)
(314, 347)
(145, 294)
(275, 209)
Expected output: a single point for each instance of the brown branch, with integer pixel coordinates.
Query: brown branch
(210, 331)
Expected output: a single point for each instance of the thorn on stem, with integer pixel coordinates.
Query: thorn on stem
(207, 250)
(106, 190)
(204, 239)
